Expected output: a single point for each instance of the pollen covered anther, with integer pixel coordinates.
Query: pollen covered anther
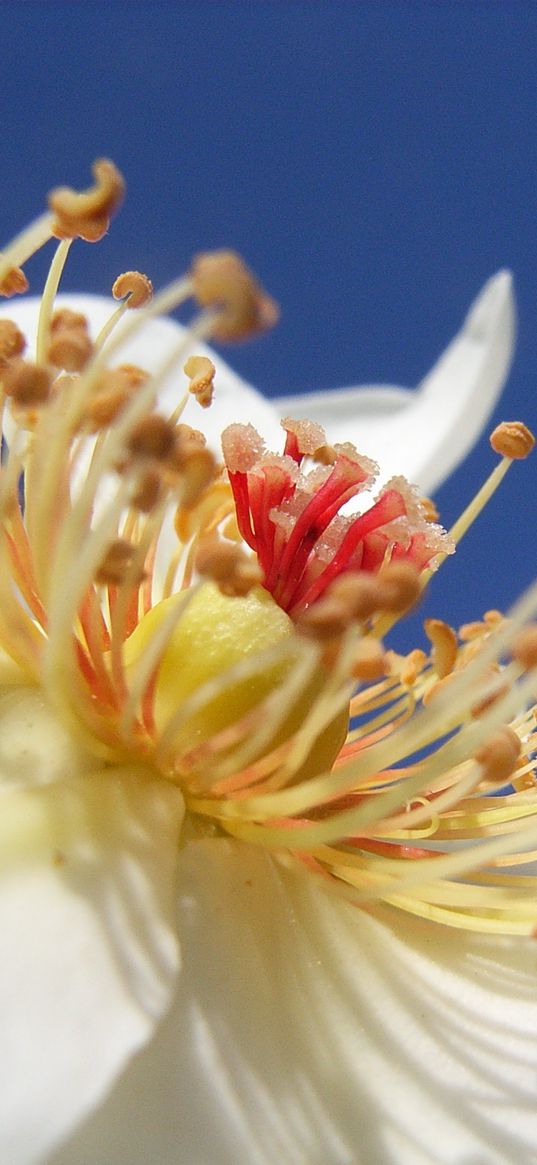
(86, 214)
(222, 280)
(133, 286)
(512, 439)
(201, 372)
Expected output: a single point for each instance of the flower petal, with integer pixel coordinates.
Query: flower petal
(424, 434)
(308, 1032)
(150, 348)
(89, 952)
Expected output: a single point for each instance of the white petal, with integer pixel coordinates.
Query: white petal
(424, 434)
(88, 946)
(309, 1033)
(150, 347)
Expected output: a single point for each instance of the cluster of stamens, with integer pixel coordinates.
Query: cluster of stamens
(91, 473)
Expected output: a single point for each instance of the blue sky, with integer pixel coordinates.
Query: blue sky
(375, 162)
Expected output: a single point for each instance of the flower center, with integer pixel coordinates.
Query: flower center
(223, 659)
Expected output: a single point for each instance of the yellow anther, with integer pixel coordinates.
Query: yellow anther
(444, 646)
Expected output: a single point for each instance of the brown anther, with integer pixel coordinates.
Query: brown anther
(198, 470)
(114, 388)
(429, 510)
(119, 564)
(64, 318)
(325, 620)
(227, 565)
(148, 492)
(216, 559)
(444, 646)
(14, 283)
(499, 755)
(136, 286)
(399, 587)
(201, 371)
(512, 439)
(86, 214)
(12, 341)
(220, 279)
(27, 384)
(357, 592)
(70, 348)
(325, 455)
(152, 437)
(186, 435)
(370, 661)
(525, 647)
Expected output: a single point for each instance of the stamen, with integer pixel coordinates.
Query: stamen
(86, 214)
(220, 279)
(201, 372)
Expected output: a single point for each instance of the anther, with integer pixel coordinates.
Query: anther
(133, 286)
(512, 439)
(12, 341)
(153, 437)
(234, 572)
(444, 646)
(399, 587)
(325, 620)
(201, 371)
(430, 511)
(148, 491)
(499, 755)
(27, 384)
(525, 647)
(118, 563)
(369, 661)
(198, 470)
(86, 214)
(220, 279)
(70, 348)
(111, 393)
(14, 283)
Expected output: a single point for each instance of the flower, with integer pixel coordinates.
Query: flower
(180, 650)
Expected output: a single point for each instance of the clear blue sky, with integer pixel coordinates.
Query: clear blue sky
(375, 162)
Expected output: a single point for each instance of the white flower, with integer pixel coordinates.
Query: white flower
(302, 1029)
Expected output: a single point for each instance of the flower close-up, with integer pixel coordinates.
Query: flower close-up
(267, 885)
